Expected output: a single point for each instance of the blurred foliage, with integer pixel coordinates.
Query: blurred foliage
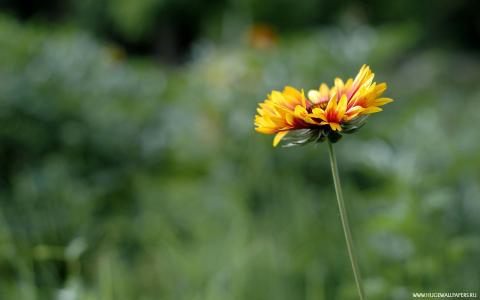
(121, 179)
(168, 28)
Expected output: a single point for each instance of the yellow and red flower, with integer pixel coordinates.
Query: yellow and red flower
(324, 113)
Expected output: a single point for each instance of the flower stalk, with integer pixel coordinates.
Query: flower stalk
(344, 219)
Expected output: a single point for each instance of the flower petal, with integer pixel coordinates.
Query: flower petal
(342, 107)
(278, 137)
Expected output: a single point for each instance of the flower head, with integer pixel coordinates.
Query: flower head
(325, 113)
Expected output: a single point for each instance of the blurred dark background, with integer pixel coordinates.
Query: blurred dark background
(129, 167)
(167, 29)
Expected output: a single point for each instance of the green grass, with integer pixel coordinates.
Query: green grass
(122, 179)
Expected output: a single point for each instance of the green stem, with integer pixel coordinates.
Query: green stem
(344, 218)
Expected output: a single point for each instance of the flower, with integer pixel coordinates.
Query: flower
(262, 37)
(326, 113)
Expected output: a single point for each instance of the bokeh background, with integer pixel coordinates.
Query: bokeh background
(129, 167)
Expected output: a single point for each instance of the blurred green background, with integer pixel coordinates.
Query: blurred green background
(129, 167)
